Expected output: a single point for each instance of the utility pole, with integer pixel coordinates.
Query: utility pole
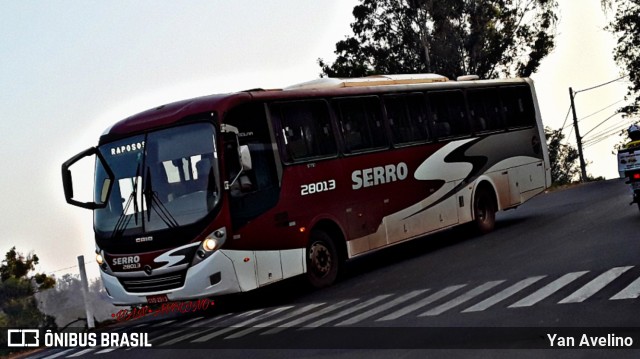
(583, 166)
(85, 293)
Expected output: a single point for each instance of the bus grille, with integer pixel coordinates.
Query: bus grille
(155, 283)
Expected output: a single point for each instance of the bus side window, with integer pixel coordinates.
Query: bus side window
(361, 123)
(407, 116)
(418, 116)
(484, 109)
(518, 106)
(305, 129)
(449, 113)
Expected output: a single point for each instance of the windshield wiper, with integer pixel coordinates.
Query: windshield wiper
(151, 197)
(123, 220)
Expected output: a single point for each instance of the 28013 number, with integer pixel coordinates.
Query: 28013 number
(317, 187)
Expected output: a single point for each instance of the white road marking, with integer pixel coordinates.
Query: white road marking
(424, 302)
(274, 321)
(346, 312)
(308, 317)
(500, 296)
(246, 323)
(58, 354)
(381, 308)
(212, 320)
(547, 290)
(632, 291)
(595, 285)
(82, 352)
(461, 299)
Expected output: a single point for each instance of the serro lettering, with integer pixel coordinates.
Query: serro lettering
(369, 177)
(126, 260)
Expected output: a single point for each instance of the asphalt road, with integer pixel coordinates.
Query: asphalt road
(565, 263)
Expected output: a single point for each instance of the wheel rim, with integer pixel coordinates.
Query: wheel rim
(320, 259)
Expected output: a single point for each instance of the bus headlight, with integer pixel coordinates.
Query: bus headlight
(99, 259)
(210, 244)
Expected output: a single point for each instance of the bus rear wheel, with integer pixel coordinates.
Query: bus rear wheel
(484, 211)
(322, 260)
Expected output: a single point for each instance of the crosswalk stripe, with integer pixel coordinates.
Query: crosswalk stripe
(141, 325)
(82, 352)
(500, 296)
(632, 291)
(462, 299)
(595, 285)
(547, 290)
(178, 331)
(108, 350)
(308, 317)
(162, 323)
(424, 302)
(217, 320)
(58, 354)
(191, 320)
(247, 322)
(381, 308)
(260, 326)
(346, 312)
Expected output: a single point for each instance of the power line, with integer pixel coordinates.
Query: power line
(606, 130)
(75, 266)
(603, 84)
(606, 134)
(602, 109)
(598, 125)
(565, 119)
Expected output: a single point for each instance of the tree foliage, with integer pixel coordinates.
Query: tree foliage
(18, 307)
(563, 158)
(489, 38)
(626, 27)
(66, 303)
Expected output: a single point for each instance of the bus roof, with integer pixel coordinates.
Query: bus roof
(375, 80)
(168, 114)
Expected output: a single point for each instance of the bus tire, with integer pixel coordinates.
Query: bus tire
(484, 211)
(323, 261)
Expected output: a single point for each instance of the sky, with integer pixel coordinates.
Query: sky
(69, 69)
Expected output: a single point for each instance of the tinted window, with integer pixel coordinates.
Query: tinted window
(407, 116)
(305, 129)
(449, 114)
(484, 109)
(518, 106)
(361, 123)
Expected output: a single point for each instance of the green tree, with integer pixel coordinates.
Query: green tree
(18, 307)
(489, 38)
(626, 27)
(563, 158)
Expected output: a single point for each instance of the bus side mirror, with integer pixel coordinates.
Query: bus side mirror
(67, 180)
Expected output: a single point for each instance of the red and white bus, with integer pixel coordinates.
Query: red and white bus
(227, 193)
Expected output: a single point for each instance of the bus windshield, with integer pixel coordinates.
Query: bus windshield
(163, 179)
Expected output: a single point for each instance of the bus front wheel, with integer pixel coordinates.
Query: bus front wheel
(484, 210)
(322, 260)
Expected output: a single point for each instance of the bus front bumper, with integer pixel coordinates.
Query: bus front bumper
(213, 276)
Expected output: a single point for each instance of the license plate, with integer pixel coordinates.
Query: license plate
(155, 299)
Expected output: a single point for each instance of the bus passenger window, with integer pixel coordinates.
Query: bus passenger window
(449, 113)
(518, 106)
(407, 116)
(305, 129)
(361, 123)
(484, 109)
